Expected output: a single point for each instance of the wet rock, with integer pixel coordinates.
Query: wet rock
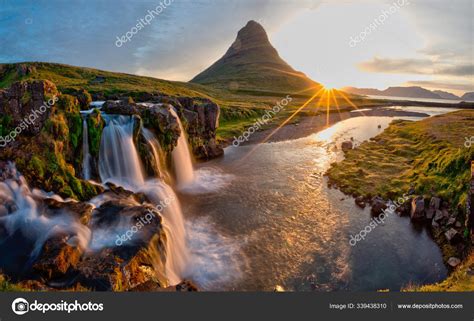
(438, 215)
(346, 145)
(186, 286)
(417, 208)
(360, 201)
(453, 262)
(451, 221)
(80, 210)
(57, 256)
(458, 224)
(378, 205)
(435, 203)
(453, 236)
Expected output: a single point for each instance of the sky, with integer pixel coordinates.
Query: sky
(365, 43)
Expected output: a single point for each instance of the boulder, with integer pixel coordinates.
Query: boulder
(378, 205)
(360, 201)
(57, 257)
(435, 203)
(346, 145)
(417, 208)
(453, 262)
(438, 215)
(453, 236)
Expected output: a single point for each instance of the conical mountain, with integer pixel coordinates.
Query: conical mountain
(252, 63)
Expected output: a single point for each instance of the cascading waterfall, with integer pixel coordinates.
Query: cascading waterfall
(120, 163)
(86, 161)
(183, 165)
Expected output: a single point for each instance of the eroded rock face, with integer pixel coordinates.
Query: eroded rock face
(24, 100)
(417, 208)
(202, 121)
(200, 118)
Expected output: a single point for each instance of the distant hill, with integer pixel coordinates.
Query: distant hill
(411, 92)
(252, 63)
(446, 95)
(468, 96)
(68, 77)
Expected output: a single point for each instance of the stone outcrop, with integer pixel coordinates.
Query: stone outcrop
(23, 100)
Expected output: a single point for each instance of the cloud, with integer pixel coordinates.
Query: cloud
(398, 66)
(415, 66)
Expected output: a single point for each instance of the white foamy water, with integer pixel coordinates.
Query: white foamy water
(208, 180)
(119, 162)
(33, 224)
(217, 260)
(182, 161)
(86, 161)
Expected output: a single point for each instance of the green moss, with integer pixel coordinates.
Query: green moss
(6, 123)
(95, 125)
(422, 154)
(37, 166)
(25, 98)
(75, 129)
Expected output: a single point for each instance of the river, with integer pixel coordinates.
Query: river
(278, 224)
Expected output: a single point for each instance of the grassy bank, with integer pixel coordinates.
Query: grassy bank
(429, 155)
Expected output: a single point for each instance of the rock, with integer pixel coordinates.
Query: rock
(346, 145)
(453, 236)
(202, 121)
(430, 213)
(24, 100)
(434, 224)
(56, 257)
(378, 205)
(435, 202)
(186, 286)
(458, 224)
(80, 210)
(417, 208)
(438, 215)
(451, 221)
(453, 262)
(360, 201)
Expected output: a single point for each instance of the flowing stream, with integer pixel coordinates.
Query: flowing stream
(293, 231)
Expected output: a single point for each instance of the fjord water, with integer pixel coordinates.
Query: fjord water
(293, 231)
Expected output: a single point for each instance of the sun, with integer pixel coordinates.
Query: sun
(329, 86)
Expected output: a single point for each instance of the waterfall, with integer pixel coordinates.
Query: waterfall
(119, 162)
(86, 161)
(183, 165)
(156, 150)
(26, 216)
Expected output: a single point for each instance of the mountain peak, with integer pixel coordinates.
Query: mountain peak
(252, 63)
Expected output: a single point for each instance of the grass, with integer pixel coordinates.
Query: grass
(428, 155)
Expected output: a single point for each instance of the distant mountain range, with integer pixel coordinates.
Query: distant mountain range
(252, 63)
(410, 92)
